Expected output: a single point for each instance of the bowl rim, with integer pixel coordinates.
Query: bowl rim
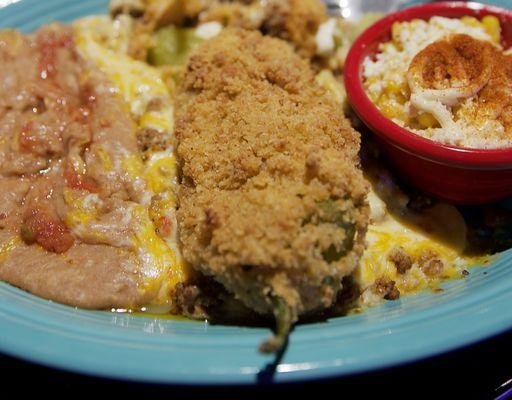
(388, 130)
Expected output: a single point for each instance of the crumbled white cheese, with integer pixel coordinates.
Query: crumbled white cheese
(325, 43)
(378, 208)
(208, 30)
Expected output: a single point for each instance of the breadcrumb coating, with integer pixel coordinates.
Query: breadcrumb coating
(272, 199)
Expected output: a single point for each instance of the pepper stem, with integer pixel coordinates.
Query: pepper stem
(284, 321)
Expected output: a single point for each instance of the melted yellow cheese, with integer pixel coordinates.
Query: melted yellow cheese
(154, 251)
(136, 81)
(440, 230)
(139, 84)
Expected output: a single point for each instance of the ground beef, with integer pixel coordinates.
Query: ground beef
(401, 259)
(430, 263)
(197, 299)
(152, 140)
(386, 289)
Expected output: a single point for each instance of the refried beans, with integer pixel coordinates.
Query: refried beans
(64, 134)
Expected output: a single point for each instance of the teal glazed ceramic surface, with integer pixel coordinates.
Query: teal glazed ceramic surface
(176, 351)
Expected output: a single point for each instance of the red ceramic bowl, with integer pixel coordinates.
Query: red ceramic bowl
(459, 175)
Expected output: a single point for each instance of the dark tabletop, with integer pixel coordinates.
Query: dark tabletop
(475, 372)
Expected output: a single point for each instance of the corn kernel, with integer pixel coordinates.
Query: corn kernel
(392, 87)
(492, 26)
(427, 120)
(390, 46)
(395, 31)
(390, 108)
(400, 98)
(398, 91)
(470, 21)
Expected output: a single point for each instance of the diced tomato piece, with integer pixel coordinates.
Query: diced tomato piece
(88, 102)
(50, 233)
(26, 140)
(164, 225)
(74, 180)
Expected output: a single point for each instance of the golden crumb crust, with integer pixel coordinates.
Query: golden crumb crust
(272, 200)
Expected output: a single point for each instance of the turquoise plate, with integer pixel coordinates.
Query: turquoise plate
(166, 351)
